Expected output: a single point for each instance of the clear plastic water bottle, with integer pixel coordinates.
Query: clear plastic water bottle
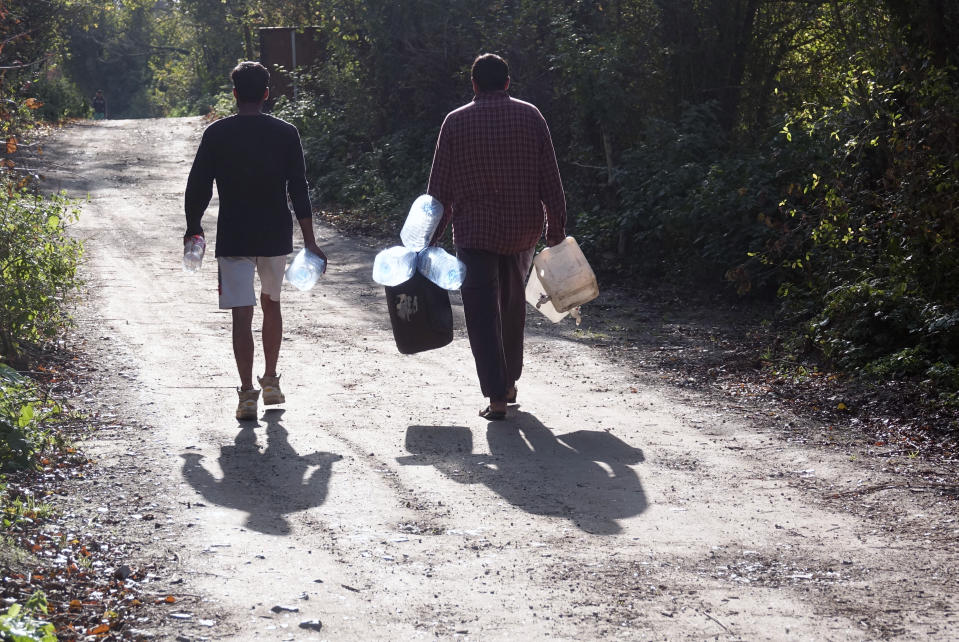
(193, 249)
(394, 266)
(421, 222)
(305, 270)
(441, 267)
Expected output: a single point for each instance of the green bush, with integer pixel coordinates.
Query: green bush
(21, 624)
(691, 204)
(872, 262)
(863, 321)
(24, 420)
(218, 105)
(61, 99)
(38, 265)
(348, 166)
(653, 221)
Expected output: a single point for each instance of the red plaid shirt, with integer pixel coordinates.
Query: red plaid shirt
(496, 175)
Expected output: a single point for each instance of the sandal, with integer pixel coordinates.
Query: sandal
(492, 415)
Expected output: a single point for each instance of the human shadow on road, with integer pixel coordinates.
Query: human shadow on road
(583, 476)
(268, 485)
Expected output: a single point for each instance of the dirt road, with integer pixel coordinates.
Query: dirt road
(376, 505)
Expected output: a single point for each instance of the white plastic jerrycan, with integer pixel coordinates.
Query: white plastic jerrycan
(536, 296)
(565, 275)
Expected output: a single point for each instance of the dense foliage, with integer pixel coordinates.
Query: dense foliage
(800, 148)
(38, 264)
(868, 242)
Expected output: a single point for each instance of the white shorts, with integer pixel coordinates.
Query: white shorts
(235, 279)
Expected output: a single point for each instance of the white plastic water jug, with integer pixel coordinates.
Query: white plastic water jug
(394, 265)
(421, 222)
(565, 275)
(441, 267)
(305, 270)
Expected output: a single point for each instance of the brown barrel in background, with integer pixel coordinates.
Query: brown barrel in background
(283, 49)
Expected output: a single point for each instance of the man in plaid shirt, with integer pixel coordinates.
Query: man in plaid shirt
(495, 172)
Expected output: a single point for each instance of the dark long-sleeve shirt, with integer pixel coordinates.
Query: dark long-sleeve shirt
(495, 172)
(255, 161)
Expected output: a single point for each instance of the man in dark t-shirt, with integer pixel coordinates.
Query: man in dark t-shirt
(257, 162)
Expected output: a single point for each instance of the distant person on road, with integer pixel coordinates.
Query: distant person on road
(256, 160)
(99, 105)
(495, 172)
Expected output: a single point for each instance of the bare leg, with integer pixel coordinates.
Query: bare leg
(272, 333)
(243, 345)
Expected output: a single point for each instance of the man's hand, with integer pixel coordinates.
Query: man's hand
(553, 240)
(309, 240)
(315, 249)
(188, 236)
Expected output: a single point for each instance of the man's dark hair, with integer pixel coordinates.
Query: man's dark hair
(490, 72)
(250, 79)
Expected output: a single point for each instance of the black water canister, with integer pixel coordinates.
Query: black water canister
(421, 315)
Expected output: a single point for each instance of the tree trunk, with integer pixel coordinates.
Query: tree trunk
(608, 152)
(248, 42)
(742, 45)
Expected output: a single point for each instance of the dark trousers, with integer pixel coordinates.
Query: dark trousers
(494, 303)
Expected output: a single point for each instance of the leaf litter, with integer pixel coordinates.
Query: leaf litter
(78, 544)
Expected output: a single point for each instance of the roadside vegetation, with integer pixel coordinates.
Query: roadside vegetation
(38, 263)
(26, 434)
(38, 277)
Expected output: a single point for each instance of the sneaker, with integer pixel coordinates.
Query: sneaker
(272, 394)
(247, 407)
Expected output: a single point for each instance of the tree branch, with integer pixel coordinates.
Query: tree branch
(22, 65)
